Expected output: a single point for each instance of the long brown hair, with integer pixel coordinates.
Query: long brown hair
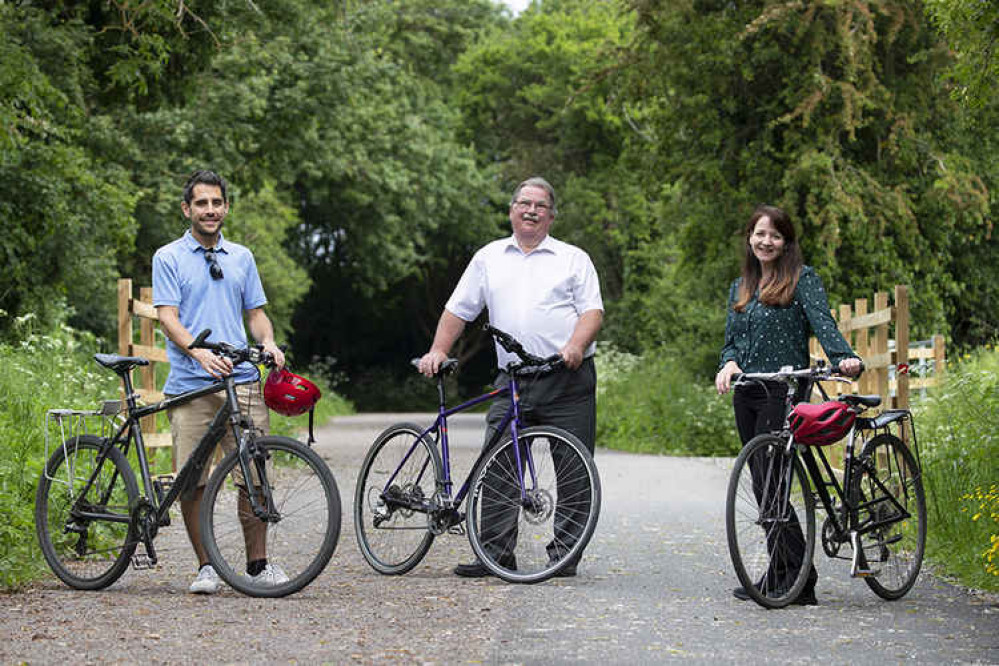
(780, 289)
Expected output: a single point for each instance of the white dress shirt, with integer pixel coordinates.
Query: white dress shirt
(536, 297)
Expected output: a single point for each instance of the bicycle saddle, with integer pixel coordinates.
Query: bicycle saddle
(865, 400)
(120, 364)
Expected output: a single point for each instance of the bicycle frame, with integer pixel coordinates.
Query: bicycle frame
(188, 476)
(846, 520)
(439, 428)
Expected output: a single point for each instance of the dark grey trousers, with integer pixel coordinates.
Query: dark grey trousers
(566, 400)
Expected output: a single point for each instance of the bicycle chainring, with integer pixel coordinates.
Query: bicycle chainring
(830, 543)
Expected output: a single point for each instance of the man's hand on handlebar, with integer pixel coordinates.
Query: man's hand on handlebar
(572, 356)
(431, 362)
(276, 354)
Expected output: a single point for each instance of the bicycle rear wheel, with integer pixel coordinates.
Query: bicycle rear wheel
(770, 522)
(892, 516)
(399, 474)
(300, 532)
(82, 513)
(529, 539)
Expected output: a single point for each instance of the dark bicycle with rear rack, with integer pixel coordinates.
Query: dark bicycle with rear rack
(92, 520)
(875, 506)
(533, 493)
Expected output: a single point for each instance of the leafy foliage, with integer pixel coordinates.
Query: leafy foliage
(957, 428)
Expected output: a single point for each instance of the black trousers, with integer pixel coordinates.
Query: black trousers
(566, 400)
(759, 408)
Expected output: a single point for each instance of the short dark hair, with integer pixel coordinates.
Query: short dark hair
(205, 177)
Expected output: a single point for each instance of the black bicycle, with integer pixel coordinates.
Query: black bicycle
(533, 493)
(91, 518)
(875, 506)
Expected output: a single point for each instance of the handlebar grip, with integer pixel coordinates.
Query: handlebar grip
(199, 342)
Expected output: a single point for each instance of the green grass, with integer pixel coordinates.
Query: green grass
(958, 432)
(58, 371)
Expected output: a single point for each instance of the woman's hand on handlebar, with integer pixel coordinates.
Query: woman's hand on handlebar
(723, 380)
(851, 367)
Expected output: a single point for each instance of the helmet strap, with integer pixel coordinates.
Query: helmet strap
(312, 438)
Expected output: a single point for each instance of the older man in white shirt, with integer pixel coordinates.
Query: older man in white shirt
(545, 293)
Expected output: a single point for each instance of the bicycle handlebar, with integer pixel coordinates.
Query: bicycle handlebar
(819, 373)
(530, 363)
(254, 354)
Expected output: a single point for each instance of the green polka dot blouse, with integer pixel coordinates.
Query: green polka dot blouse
(762, 338)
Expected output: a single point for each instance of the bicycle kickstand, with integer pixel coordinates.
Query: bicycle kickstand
(860, 567)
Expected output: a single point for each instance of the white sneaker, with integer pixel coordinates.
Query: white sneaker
(207, 582)
(271, 575)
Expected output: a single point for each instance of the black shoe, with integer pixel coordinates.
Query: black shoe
(474, 570)
(568, 571)
(806, 598)
(477, 569)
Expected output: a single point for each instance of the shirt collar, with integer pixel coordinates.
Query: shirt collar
(547, 244)
(193, 245)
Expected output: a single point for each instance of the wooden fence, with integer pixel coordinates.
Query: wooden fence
(887, 365)
(130, 308)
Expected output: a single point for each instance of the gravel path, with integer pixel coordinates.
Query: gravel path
(654, 587)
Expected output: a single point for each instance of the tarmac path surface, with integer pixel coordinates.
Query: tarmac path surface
(654, 587)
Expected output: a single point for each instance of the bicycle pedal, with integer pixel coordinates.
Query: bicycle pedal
(458, 529)
(143, 561)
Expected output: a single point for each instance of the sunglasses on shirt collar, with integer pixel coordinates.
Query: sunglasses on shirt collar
(214, 269)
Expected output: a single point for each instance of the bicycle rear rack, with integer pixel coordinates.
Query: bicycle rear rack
(67, 424)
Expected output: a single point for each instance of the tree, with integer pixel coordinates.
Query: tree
(831, 110)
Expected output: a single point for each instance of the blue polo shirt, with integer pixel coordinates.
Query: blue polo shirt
(181, 278)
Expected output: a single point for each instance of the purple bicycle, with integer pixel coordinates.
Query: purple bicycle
(533, 492)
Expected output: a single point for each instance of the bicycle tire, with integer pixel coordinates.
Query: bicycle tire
(549, 530)
(393, 540)
(894, 550)
(302, 537)
(763, 528)
(86, 554)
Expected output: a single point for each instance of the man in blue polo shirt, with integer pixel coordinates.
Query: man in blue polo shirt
(203, 281)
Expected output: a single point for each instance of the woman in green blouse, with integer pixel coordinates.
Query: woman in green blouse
(773, 308)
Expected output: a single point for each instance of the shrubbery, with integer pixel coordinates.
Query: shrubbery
(653, 404)
(57, 370)
(958, 430)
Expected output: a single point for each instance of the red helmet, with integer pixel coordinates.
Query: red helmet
(821, 424)
(287, 393)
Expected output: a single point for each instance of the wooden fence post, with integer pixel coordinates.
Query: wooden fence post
(142, 308)
(881, 350)
(901, 346)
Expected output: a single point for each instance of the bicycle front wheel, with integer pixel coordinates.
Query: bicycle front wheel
(526, 533)
(82, 513)
(892, 516)
(395, 492)
(299, 532)
(770, 522)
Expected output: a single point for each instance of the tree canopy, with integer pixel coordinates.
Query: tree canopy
(373, 145)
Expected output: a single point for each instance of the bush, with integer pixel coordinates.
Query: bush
(958, 433)
(653, 404)
(41, 372)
